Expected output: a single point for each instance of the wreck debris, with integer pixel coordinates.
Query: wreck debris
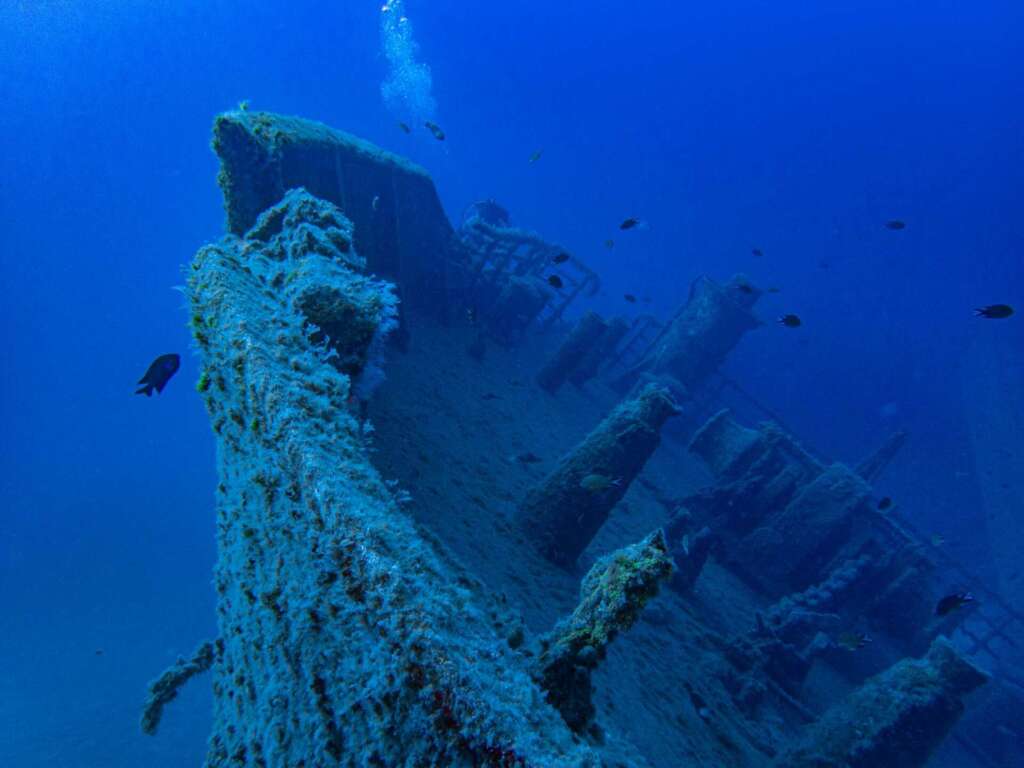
(612, 595)
(601, 352)
(772, 496)
(404, 236)
(164, 689)
(874, 465)
(345, 641)
(497, 254)
(583, 337)
(563, 513)
(896, 718)
(695, 342)
(690, 549)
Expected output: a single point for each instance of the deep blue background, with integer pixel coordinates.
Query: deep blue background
(778, 125)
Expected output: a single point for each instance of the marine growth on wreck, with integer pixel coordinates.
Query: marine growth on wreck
(355, 629)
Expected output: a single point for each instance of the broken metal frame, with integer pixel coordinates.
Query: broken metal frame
(513, 251)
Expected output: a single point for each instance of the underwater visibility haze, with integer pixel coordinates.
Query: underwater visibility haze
(431, 383)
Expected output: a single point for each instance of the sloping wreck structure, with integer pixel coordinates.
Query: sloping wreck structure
(436, 557)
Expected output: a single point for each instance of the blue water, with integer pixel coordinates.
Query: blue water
(796, 128)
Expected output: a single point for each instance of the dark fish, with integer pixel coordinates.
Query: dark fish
(629, 297)
(158, 374)
(791, 321)
(995, 311)
(744, 288)
(536, 155)
(852, 641)
(555, 282)
(528, 458)
(884, 503)
(645, 299)
(629, 223)
(490, 396)
(560, 258)
(609, 244)
(757, 252)
(435, 129)
(953, 602)
(895, 224)
(405, 127)
(773, 290)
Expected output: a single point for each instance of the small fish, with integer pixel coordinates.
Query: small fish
(609, 244)
(884, 503)
(536, 155)
(757, 252)
(646, 299)
(596, 483)
(158, 374)
(744, 288)
(555, 282)
(937, 540)
(895, 224)
(629, 223)
(435, 129)
(773, 289)
(98, 652)
(994, 311)
(405, 127)
(560, 258)
(629, 297)
(852, 641)
(490, 396)
(823, 264)
(791, 321)
(953, 602)
(528, 458)
(376, 202)
(686, 544)
(471, 316)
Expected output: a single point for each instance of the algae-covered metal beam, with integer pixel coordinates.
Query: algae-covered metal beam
(897, 718)
(696, 341)
(344, 639)
(612, 596)
(583, 337)
(564, 511)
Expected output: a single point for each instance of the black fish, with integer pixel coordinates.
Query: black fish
(158, 374)
(791, 321)
(435, 129)
(629, 223)
(528, 458)
(744, 288)
(609, 244)
(489, 396)
(405, 127)
(773, 290)
(953, 602)
(560, 258)
(895, 224)
(555, 282)
(629, 297)
(757, 252)
(884, 503)
(995, 311)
